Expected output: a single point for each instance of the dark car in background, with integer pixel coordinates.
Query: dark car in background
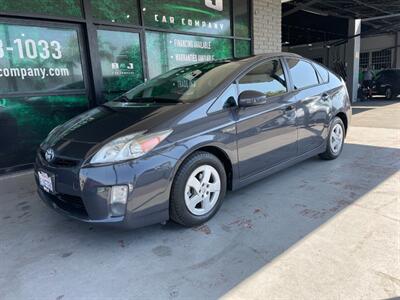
(171, 147)
(387, 83)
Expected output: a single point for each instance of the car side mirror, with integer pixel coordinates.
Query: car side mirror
(252, 98)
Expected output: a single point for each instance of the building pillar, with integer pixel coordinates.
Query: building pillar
(267, 20)
(397, 51)
(353, 58)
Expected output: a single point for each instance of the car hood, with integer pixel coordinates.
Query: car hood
(77, 136)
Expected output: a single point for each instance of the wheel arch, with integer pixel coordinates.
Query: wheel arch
(343, 117)
(224, 158)
(219, 153)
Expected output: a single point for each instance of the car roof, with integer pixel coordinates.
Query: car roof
(390, 70)
(260, 57)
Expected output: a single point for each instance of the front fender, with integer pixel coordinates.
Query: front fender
(222, 140)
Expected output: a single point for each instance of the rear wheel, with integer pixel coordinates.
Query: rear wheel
(335, 141)
(198, 190)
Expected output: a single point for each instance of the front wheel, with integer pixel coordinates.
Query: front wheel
(389, 95)
(334, 145)
(198, 190)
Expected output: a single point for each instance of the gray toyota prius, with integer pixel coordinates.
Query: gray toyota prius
(169, 149)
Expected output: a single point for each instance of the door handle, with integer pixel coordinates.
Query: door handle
(325, 97)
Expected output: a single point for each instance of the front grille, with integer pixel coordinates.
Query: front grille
(71, 204)
(61, 162)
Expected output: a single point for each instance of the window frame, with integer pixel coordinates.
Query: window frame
(219, 104)
(293, 89)
(235, 83)
(319, 74)
(367, 56)
(117, 28)
(382, 58)
(82, 52)
(259, 64)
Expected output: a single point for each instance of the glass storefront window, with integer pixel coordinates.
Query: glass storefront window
(242, 48)
(39, 59)
(36, 59)
(59, 8)
(200, 16)
(242, 18)
(122, 11)
(26, 121)
(166, 51)
(121, 61)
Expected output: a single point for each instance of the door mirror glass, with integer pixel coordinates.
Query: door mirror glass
(252, 98)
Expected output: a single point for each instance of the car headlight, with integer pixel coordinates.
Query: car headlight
(129, 147)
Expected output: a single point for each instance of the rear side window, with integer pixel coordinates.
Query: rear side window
(323, 73)
(303, 73)
(267, 78)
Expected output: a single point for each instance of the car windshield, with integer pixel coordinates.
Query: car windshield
(182, 85)
(394, 74)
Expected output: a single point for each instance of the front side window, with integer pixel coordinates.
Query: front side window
(303, 73)
(267, 78)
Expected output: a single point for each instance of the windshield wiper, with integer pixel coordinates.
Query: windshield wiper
(154, 100)
(123, 98)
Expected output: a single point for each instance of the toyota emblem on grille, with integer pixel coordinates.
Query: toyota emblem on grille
(49, 155)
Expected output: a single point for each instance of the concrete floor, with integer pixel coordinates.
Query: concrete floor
(319, 230)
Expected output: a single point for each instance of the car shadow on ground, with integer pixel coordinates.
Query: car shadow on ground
(255, 225)
(366, 105)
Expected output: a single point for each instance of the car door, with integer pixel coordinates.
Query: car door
(266, 133)
(314, 104)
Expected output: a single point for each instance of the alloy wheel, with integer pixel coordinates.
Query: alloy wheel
(202, 190)
(388, 93)
(336, 140)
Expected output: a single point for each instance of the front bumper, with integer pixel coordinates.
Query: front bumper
(79, 191)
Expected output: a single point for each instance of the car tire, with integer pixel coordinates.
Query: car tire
(190, 186)
(389, 95)
(335, 142)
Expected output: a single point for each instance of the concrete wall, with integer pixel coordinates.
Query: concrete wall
(397, 50)
(330, 56)
(267, 20)
(333, 54)
(377, 42)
